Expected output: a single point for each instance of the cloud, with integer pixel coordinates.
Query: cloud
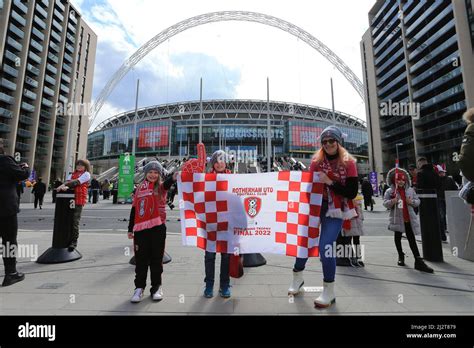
(234, 58)
(158, 87)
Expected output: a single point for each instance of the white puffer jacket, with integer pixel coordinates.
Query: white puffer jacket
(396, 222)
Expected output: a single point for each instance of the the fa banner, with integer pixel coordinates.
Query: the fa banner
(251, 213)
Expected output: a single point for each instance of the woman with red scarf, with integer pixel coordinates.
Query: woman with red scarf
(402, 200)
(148, 230)
(337, 170)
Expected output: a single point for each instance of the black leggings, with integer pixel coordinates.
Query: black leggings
(149, 250)
(354, 240)
(411, 240)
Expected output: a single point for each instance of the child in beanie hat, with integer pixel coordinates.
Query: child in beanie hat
(155, 165)
(148, 230)
(217, 159)
(218, 166)
(218, 156)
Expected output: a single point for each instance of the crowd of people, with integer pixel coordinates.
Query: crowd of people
(341, 217)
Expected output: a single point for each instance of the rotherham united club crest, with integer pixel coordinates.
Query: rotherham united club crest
(252, 206)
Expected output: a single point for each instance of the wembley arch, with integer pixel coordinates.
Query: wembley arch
(223, 16)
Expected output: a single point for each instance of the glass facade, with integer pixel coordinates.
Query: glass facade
(153, 137)
(415, 50)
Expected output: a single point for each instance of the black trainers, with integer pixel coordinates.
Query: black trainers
(11, 279)
(401, 260)
(421, 266)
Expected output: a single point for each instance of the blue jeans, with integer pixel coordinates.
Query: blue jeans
(330, 228)
(210, 264)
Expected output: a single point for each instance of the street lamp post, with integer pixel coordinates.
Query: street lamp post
(135, 121)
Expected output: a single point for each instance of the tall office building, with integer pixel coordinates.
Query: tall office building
(47, 55)
(418, 68)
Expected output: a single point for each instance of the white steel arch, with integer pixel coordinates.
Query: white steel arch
(221, 17)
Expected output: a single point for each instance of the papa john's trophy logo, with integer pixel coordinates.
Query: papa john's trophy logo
(252, 206)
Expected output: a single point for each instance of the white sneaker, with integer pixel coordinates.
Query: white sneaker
(328, 296)
(158, 295)
(137, 295)
(296, 284)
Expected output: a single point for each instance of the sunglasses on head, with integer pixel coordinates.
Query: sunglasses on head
(330, 141)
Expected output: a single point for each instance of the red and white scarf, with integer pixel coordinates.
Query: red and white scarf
(339, 207)
(147, 205)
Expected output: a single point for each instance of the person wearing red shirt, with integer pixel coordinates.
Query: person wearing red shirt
(148, 230)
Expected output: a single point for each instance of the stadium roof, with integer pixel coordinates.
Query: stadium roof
(232, 108)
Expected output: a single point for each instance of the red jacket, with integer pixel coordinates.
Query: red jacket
(80, 191)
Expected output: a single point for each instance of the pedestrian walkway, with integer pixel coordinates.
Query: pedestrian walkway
(101, 283)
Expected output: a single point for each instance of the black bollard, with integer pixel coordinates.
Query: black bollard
(166, 259)
(254, 260)
(62, 233)
(430, 226)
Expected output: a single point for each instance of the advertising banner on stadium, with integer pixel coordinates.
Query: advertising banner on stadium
(153, 137)
(305, 136)
(274, 212)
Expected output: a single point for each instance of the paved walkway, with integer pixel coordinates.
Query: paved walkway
(102, 283)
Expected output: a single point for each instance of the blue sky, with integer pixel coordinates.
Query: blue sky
(233, 58)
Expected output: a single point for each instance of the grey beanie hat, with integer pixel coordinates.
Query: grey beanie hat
(217, 156)
(331, 132)
(155, 165)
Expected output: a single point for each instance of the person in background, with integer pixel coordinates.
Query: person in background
(39, 190)
(171, 194)
(466, 161)
(95, 187)
(384, 188)
(10, 174)
(466, 155)
(400, 198)
(381, 185)
(56, 184)
(428, 179)
(352, 231)
(367, 192)
(106, 189)
(79, 182)
(19, 192)
(413, 175)
(447, 184)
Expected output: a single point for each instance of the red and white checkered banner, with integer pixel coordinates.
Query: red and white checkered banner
(251, 213)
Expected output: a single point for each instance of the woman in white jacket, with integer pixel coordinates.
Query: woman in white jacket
(401, 199)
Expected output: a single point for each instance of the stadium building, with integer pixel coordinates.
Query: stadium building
(172, 130)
